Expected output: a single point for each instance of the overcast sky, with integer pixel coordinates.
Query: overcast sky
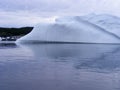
(30, 12)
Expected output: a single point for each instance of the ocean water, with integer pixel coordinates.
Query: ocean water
(59, 66)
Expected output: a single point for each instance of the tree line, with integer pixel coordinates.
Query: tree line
(9, 32)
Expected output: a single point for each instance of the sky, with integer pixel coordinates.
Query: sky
(30, 12)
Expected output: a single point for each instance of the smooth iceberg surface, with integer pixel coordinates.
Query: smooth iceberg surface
(108, 22)
(70, 30)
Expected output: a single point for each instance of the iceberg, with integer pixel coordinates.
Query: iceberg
(74, 29)
(108, 22)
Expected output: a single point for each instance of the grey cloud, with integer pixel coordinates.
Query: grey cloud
(53, 8)
(31, 5)
(61, 6)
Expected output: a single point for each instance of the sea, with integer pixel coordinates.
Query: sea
(59, 66)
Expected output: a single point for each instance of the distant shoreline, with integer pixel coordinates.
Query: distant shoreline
(12, 34)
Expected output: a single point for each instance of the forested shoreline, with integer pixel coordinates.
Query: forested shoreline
(7, 34)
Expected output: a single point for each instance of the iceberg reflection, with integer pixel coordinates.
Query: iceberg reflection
(99, 57)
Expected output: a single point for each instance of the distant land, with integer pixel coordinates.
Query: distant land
(11, 34)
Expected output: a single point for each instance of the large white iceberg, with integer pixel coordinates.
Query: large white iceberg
(71, 30)
(108, 22)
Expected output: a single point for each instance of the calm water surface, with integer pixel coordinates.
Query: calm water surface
(59, 67)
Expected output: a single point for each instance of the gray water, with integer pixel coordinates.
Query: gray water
(59, 67)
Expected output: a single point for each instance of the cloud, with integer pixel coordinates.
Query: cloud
(18, 19)
(37, 9)
(37, 5)
(61, 6)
